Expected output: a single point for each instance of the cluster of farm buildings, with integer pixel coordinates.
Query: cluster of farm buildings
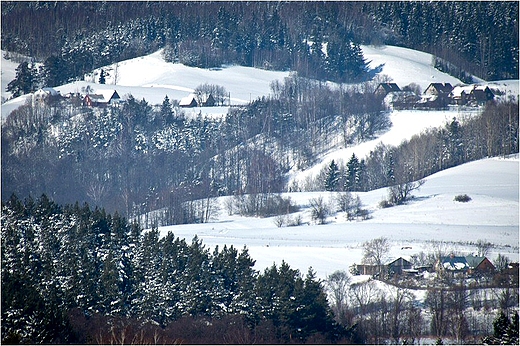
(436, 96)
(456, 265)
(110, 97)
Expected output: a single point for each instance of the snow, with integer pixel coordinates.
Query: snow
(151, 78)
(491, 215)
(432, 217)
(405, 66)
(405, 125)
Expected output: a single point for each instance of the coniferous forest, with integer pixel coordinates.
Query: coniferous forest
(79, 184)
(75, 274)
(72, 38)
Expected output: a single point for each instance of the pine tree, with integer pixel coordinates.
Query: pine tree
(332, 177)
(352, 174)
(102, 77)
(25, 80)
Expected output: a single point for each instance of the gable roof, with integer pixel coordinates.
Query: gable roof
(104, 96)
(474, 261)
(188, 101)
(455, 263)
(399, 261)
(442, 88)
(387, 87)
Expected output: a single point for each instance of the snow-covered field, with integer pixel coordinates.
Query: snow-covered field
(151, 78)
(433, 217)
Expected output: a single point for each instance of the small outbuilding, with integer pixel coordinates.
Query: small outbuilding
(188, 101)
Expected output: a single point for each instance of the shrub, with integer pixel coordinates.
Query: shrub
(296, 221)
(279, 220)
(462, 198)
(319, 210)
(385, 204)
(263, 205)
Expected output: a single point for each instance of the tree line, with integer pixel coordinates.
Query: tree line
(492, 133)
(249, 34)
(76, 274)
(318, 40)
(137, 157)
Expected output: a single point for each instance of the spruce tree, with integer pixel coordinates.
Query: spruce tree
(25, 80)
(332, 177)
(352, 174)
(102, 77)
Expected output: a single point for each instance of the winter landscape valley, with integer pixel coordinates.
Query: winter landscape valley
(325, 230)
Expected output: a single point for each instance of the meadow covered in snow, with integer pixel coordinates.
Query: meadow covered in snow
(432, 217)
(431, 220)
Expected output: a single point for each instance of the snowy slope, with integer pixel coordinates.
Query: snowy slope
(492, 184)
(405, 124)
(152, 78)
(434, 216)
(405, 66)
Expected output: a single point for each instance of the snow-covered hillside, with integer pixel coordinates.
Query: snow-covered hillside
(491, 215)
(151, 78)
(432, 217)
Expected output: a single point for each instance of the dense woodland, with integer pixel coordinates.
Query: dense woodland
(136, 158)
(72, 38)
(70, 273)
(76, 274)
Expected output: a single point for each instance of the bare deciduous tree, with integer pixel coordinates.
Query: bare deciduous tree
(319, 210)
(374, 250)
(337, 284)
(400, 193)
(483, 247)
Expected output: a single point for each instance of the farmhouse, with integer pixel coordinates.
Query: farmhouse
(399, 266)
(392, 267)
(479, 265)
(102, 99)
(199, 100)
(438, 89)
(207, 100)
(471, 95)
(46, 95)
(454, 264)
(384, 89)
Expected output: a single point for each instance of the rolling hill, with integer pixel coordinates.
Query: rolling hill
(432, 217)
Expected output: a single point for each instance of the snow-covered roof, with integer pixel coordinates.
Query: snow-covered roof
(47, 91)
(455, 263)
(104, 96)
(458, 90)
(394, 259)
(188, 100)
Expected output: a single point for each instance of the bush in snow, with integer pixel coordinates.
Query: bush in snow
(462, 198)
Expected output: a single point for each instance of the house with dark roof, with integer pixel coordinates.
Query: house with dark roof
(102, 98)
(471, 95)
(479, 265)
(438, 89)
(384, 88)
(399, 266)
(436, 95)
(454, 264)
(481, 94)
(188, 101)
